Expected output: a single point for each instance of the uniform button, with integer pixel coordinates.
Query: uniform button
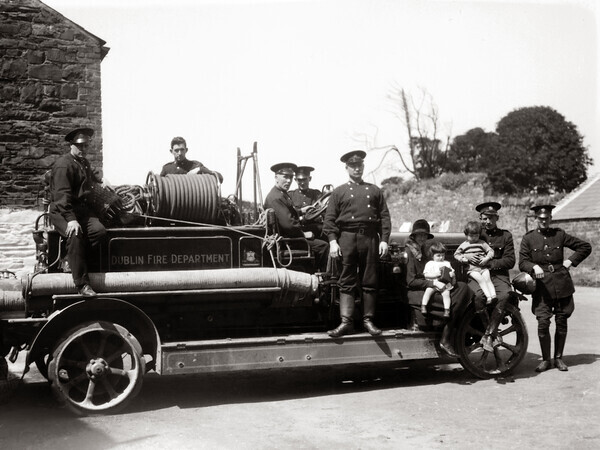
(351, 195)
(369, 218)
(367, 188)
(368, 206)
(368, 196)
(353, 217)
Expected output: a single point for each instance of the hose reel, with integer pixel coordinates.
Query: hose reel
(182, 197)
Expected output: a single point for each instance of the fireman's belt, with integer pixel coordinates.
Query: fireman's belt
(551, 267)
(360, 229)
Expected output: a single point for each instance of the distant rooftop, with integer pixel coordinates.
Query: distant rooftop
(584, 203)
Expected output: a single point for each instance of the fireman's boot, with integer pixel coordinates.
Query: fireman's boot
(346, 313)
(369, 299)
(492, 328)
(446, 343)
(559, 345)
(486, 340)
(545, 346)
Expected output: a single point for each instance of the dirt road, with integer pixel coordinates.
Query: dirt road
(417, 406)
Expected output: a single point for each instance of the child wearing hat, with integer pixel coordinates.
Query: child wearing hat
(475, 247)
(438, 269)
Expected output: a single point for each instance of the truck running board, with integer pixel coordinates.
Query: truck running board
(293, 351)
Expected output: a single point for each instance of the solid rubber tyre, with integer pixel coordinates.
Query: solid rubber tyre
(97, 368)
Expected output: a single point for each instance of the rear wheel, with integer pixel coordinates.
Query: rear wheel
(510, 346)
(97, 368)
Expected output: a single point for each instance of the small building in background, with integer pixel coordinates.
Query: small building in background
(579, 214)
(49, 84)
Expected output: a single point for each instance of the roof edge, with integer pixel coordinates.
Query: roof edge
(104, 49)
(573, 195)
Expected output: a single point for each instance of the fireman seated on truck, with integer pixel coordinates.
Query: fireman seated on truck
(72, 180)
(183, 166)
(287, 216)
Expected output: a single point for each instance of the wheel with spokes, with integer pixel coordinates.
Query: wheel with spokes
(97, 368)
(510, 344)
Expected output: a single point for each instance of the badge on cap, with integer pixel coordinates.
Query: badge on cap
(488, 208)
(79, 136)
(543, 211)
(353, 157)
(285, 168)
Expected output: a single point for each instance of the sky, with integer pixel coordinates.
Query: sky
(310, 80)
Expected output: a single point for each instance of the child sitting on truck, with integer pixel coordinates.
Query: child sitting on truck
(438, 269)
(477, 253)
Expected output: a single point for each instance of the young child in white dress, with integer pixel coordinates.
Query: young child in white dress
(440, 270)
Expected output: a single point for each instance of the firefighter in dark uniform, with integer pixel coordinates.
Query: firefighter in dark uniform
(504, 260)
(183, 166)
(71, 182)
(358, 226)
(542, 255)
(287, 217)
(304, 197)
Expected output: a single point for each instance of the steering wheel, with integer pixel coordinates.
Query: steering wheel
(318, 207)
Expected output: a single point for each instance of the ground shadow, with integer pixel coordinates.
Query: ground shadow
(34, 403)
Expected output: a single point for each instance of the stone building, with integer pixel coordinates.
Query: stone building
(49, 84)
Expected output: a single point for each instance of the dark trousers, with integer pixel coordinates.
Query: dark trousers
(93, 232)
(360, 258)
(545, 308)
(321, 251)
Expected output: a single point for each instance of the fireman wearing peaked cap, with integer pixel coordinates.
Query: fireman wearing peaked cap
(542, 255)
(304, 197)
(357, 224)
(71, 182)
(288, 221)
(504, 259)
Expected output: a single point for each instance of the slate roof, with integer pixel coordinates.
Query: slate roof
(584, 203)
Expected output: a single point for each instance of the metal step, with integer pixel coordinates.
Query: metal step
(295, 351)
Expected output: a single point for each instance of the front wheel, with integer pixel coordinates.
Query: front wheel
(98, 367)
(510, 346)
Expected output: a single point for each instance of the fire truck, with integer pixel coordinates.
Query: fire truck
(190, 282)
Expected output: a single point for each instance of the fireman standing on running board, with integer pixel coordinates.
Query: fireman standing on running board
(358, 226)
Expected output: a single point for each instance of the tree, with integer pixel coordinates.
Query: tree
(473, 151)
(427, 152)
(539, 151)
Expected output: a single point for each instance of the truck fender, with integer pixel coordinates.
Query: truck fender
(107, 309)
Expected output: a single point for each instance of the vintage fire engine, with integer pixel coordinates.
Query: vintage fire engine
(188, 284)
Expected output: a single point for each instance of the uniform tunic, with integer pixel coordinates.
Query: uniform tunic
(287, 216)
(554, 292)
(358, 218)
(301, 199)
(289, 223)
(71, 181)
(182, 168)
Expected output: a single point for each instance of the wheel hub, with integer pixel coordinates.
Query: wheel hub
(97, 368)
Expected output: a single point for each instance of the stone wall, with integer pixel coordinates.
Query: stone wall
(49, 85)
